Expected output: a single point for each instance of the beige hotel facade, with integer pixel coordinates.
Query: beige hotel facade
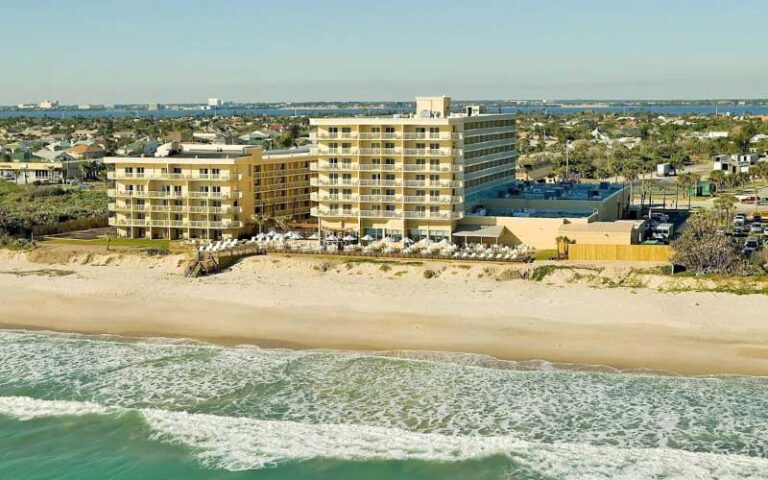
(409, 175)
(202, 191)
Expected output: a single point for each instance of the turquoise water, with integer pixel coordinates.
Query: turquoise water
(74, 407)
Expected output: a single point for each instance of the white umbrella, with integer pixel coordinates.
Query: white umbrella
(261, 237)
(277, 236)
(388, 240)
(312, 237)
(272, 233)
(295, 236)
(445, 241)
(350, 238)
(407, 241)
(332, 238)
(367, 238)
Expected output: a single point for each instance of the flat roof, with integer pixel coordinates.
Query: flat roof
(619, 226)
(406, 119)
(561, 191)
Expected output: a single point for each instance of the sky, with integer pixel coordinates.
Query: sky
(166, 51)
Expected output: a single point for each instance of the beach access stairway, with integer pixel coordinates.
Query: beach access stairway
(214, 257)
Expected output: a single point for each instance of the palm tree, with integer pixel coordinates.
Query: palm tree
(725, 205)
(718, 177)
(687, 181)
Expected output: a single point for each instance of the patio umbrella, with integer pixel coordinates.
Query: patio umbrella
(407, 241)
(445, 241)
(295, 236)
(272, 233)
(350, 238)
(277, 236)
(367, 238)
(388, 240)
(261, 237)
(312, 237)
(332, 238)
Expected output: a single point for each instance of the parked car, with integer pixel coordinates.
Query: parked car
(751, 246)
(660, 217)
(756, 227)
(757, 218)
(663, 232)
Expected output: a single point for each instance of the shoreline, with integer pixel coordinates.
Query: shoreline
(305, 303)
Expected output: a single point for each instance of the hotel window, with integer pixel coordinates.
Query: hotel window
(347, 192)
(389, 177)
(434, 146)
(177, 190)
(434, 209)
(203, 171)
(347, 178)
(139, 171)
(389, 129)
(389, 208)
(128, 170)
(347, 208)
(216, 172)
(389, 193)
(176, 170)
(333, 178)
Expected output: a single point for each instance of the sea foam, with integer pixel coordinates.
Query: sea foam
(237, 444)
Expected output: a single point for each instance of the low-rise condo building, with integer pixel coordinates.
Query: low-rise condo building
(408, 175)
(185, 191)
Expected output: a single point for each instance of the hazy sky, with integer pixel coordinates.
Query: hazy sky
(104, 51)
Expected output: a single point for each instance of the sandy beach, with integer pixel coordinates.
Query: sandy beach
(302, 302)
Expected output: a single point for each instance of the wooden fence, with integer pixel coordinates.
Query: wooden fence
(628, 253)
(70, 226)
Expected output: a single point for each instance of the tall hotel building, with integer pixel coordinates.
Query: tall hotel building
(409, 175)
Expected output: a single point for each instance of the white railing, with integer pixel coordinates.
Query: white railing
(173, 176)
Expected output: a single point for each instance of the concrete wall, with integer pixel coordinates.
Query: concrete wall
(540, 233)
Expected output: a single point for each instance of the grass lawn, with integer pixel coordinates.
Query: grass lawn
(544, 254)
(113, 242)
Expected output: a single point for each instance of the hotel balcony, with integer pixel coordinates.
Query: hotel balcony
(174, 208)
(426, 199)
(322, 182)
(375, 152)
(405, 214)
(146, 222)
(174, 195)
(384, 167)
(174, 176)
(387, 136)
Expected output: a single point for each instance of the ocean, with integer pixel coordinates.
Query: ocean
(734, 109)
(101, 407)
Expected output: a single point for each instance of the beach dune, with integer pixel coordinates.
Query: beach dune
(300, 302)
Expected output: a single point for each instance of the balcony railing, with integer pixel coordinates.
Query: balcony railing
(146, 222)
(408, 152)
(406, 214)
(173, 176)
(385, 167)
(322, 182)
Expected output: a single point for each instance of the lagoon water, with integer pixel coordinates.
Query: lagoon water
(77, 407)
(554, 110)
